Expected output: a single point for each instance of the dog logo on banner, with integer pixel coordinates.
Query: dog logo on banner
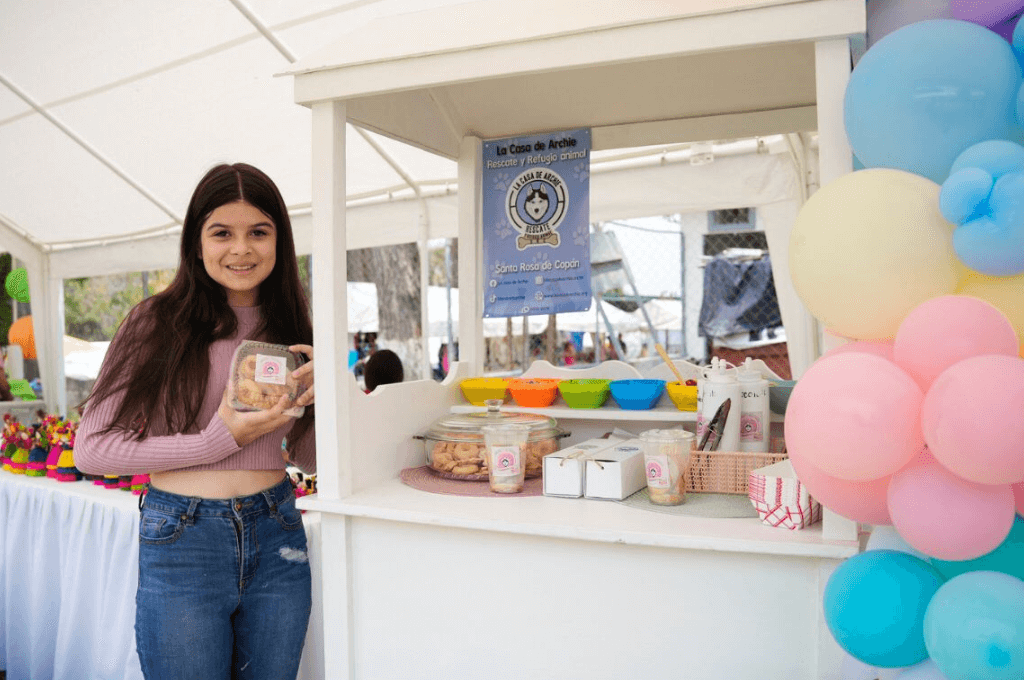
(536, 203)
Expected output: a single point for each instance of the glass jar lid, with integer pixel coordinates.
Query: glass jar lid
(463, 427)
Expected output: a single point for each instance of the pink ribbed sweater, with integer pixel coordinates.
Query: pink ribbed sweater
(212, 448)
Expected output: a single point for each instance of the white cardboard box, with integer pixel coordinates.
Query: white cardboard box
(565, 470)
(617, 472)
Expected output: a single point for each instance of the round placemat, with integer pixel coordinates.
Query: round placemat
(724, 505)
(425, 478)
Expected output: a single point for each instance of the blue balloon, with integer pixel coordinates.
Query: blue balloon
(997, 157)
(974, 627)
(964, 195)
(926, 92)
(1008, 558)
(991, 237)
(875, 604)
(1017, 39)
(993, 243)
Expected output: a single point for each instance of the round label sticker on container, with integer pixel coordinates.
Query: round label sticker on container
(271, 369)
(658, 475)
(505, 461)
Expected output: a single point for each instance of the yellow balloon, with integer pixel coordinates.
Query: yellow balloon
(869, 247)
(1005, 293)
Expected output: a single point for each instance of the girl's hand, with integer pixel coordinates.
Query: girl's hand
(248, 426)
(304, 375)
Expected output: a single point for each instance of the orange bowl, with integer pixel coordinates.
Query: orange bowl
(534, 392)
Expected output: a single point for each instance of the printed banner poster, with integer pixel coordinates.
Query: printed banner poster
(536, 221)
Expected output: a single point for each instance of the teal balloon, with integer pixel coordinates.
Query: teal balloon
(875, 604)
(17, 284)
(1008, 558)
(974, 627)
(926, 92)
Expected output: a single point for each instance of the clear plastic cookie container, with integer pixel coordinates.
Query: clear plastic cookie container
(261, 373)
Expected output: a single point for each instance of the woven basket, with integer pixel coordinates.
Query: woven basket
(725, 471)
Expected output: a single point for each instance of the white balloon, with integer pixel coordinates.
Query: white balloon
(854, 669)
(886, 538)
(926, 670)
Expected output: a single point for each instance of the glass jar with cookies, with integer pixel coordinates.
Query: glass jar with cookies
(455, 446)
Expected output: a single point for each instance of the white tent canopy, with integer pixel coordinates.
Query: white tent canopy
(110, 112)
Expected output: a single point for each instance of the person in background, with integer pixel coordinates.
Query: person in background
(441, 370)
(5, 387)
(569, 353)
(382, 368)
(224, 580)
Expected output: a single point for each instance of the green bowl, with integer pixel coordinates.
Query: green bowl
(585, 392)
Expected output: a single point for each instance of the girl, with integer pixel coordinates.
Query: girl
(224, 580)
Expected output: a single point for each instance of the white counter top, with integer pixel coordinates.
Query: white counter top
(580, 519)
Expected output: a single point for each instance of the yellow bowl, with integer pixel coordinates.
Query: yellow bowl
(479, 390)
(683, 396)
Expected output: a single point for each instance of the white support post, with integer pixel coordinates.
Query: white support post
(330, 340)
(471, 280)
(49, 338)
(832, 74)
(58, 402)
(835, 159)
(425, 296)
(330, 301)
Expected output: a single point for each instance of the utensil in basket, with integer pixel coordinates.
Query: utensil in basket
(713, 435)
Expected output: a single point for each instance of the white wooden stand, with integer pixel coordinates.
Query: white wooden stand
(419, 585)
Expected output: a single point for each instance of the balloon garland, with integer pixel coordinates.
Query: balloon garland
(917, 424)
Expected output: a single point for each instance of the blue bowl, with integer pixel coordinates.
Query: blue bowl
(637, 395)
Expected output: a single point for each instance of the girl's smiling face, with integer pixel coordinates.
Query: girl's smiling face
(238, 246)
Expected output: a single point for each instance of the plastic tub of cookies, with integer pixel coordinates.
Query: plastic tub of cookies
(455, 447)
(261, 373)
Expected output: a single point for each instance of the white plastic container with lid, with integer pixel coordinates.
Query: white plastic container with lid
(717, 388)
(755, 415)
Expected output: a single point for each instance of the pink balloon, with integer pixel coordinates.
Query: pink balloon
(855, 416)
(947, 517)
(1018, 497)
(944, 330)
(985, 12)
(859, 501)
(879, 348)
(973, 419)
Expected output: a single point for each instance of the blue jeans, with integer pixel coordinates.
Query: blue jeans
(224, 586)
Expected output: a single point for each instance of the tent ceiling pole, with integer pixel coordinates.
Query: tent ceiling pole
(93, 151)
(264, 30)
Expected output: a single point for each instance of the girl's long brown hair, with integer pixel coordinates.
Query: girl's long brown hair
(160, 354)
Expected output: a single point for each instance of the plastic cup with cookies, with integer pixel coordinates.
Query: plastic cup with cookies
(261, 373)
(666, 460)
(505, 460)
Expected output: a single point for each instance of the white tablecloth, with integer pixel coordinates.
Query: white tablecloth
(69, 571)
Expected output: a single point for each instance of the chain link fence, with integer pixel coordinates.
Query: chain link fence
(700, 284)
